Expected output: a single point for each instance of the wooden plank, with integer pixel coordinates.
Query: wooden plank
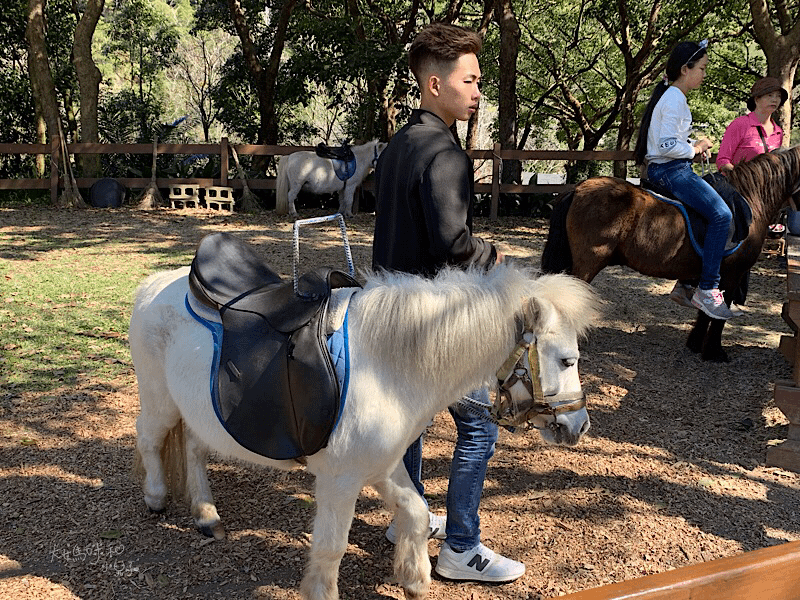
(787, 347)
(495, 182)
(785, 455)
(787, 398)
(39, 183)
(790, 313)
(793, 267)
(766, 574)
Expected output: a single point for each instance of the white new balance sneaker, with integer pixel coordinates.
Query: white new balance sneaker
(477, 564)
(436, 528)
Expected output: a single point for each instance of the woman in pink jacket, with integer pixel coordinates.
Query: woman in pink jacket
(754, 133)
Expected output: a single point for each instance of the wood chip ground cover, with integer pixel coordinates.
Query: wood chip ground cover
(672, 472)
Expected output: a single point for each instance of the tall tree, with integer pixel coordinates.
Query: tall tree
(142, 41)
(507, 93)
(42, 84)
(777, 31)
(201, 57)
(264, 76)
(89, 78)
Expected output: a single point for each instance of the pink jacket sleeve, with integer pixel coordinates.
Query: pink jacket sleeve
(730, 141)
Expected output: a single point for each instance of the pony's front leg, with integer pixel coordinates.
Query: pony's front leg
(697, 336)
(712, 348)
(336, 502)
(412, 566)
(202, 501)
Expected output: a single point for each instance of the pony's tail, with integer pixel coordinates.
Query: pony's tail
(282, 189)
(557, 256)
(173, 459)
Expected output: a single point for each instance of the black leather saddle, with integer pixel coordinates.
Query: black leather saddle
(343, 152)
(740, 209)
(276, 393)
(344, 161)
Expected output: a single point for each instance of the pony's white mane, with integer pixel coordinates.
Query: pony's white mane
(419, 324)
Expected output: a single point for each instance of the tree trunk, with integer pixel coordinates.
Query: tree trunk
(42, 85)
(781, 50)
(265, 79)
(624, 133)
(507, 104)
(89, 79)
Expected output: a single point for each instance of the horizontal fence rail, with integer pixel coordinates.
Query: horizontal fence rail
(496, 155)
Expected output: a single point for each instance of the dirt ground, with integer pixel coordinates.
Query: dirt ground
(671, 473)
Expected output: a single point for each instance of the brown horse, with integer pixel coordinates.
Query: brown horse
(607, 221)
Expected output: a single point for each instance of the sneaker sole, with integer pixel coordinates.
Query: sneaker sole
(708, 312)
(458, 576)
(682, 301)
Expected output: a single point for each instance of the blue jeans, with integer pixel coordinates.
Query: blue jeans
(691, 189)
(474, 447)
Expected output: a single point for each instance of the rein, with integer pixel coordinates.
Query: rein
(505, 412)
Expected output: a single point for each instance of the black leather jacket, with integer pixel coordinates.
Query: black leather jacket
(424, 187)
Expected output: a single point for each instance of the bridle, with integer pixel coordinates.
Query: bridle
(522, 366)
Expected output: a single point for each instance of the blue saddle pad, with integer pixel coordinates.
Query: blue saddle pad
(696, 225)
(344, 169)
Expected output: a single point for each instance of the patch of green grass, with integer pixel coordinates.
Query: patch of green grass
(64, 312)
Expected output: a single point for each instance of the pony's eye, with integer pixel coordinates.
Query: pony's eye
(569, 362)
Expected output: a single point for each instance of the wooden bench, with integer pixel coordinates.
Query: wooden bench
(787, 393)
(767, 574)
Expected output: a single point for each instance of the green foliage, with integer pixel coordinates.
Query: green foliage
(142, 37)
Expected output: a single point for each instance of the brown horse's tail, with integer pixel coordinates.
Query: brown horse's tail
(557, 257)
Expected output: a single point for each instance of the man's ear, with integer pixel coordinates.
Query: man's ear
(433, 84)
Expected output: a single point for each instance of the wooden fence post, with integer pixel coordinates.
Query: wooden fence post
(495, 181)
(55, 150)
(223, 162)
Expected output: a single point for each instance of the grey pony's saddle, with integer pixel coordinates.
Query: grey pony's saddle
(344, 161)
(277, 393)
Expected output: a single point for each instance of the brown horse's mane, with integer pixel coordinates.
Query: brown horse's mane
(767, 180)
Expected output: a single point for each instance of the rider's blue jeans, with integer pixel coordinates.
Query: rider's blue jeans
(474, 447)
(691, 189)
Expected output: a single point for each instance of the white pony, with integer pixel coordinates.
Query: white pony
(306, 170)
(416, 345)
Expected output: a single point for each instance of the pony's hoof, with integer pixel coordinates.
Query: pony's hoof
(717, 357)
(415, 594)
(217, 531)
(156, 505)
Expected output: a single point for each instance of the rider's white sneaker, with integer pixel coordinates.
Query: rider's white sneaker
(477, 564)
(436, 528)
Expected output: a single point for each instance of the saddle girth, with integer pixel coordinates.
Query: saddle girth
(277, 392)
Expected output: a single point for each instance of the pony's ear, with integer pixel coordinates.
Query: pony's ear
(533, 314)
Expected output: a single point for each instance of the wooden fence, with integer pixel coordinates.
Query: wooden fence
(766, 574)
(495, 188)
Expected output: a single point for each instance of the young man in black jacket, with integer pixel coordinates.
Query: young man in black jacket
(424, 187)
